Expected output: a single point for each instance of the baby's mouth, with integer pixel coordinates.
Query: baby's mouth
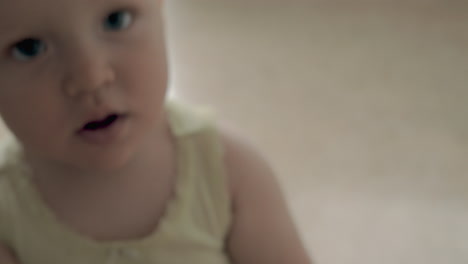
(101, 124)
(104, 130)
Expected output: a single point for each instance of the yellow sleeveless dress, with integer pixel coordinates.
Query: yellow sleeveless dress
(193, 229)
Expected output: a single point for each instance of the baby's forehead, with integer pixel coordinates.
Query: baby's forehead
(31, 7)
(61, 9)
(20, 17)
(19, 10)
(52, 15)
(26, 6)
(37, 13)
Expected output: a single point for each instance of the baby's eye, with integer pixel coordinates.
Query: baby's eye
(118, 20)
(28, 49)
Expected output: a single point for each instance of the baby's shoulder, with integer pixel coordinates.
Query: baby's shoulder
(243, 161)
(261, 217)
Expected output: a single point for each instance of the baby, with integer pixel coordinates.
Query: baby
(103, 168)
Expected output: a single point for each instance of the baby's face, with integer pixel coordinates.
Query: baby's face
(65, 63)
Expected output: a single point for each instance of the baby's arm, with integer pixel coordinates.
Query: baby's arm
(263, 230)
(6, 256)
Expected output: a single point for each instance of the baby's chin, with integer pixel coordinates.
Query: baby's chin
(112, 163)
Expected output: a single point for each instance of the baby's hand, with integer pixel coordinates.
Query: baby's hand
(7, 256)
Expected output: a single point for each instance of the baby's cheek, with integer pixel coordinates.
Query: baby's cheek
(152, 67)
(145, 83)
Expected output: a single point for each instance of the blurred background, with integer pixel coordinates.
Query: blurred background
(360, 106)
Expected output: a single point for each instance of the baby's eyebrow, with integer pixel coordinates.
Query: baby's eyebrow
(6, 21)
(6, 28)
(10, 29)
(6, 32)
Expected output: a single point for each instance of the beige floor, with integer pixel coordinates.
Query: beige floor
(361, 108)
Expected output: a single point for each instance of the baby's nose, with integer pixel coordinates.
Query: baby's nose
(88, 72)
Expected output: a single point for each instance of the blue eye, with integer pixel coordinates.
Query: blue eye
(118, 20)
(28, 49)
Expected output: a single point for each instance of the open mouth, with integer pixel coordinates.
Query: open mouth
(101, 124)
(105, 130)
